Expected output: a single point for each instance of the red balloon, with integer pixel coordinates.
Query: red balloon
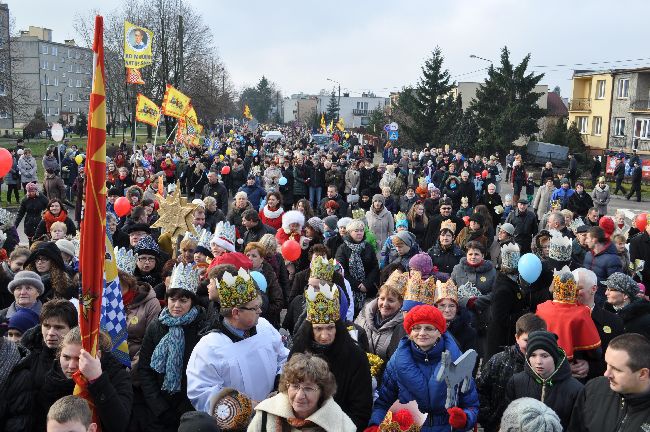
(641, 221)
(291, 250)
(6, 161)
(122, 206)
(466, 220)
(225, 170)
(484, 174)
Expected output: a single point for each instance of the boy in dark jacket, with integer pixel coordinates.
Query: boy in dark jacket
(546, 377)
(491, 384)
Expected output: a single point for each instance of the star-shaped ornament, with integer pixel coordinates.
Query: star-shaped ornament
(176, 214)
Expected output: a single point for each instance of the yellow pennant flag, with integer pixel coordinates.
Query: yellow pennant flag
(137, 46)
(323, 125)
(146, 111)
(340, 125)
(175, 104)
(331, 126)
(191, 116)
(247, 112)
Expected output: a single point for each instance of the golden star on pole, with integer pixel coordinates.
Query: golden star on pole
(176, 215)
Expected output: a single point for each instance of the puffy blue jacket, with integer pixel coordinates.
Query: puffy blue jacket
(603, 264)
(255, 194)
(411, 375)
(562, 195)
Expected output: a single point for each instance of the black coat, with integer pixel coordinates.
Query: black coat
(609, 325)
(445, 259)
(635, 316)
(370, 266)
(580, 204)
(600, 409)
(219, 192)
(255, 234)
(349, 364)
(640, 249)
(508, 304)
(166, 408)
(560, 393)
(31, 209)
(462, 330)
(112, 393)
(16, 397)
(41, 229)
(466, 189)
(525, 228)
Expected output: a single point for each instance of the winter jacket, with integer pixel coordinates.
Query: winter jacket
(235, 218)
(336, 177)
(619, 171)
(255, 195)
(274, 294)
(466, 189)
(525, 227)
(368, 179)
(453, 193)
(112, 393)
(27, 169)
(50, 163)
(508, 304)
(411, 375)
(144, 309)
(31, 209)
(462, 330)
(482, 276)
(272, 218)
(562, 195)
(370, 266)
(16, 396)
(635, 316)
(601, 198)
(271, 416)
(352, 177)
(609, 325)
(603, 263)
(13, 176)
(317, 176)
(445, 259)
(41, 229)
(381, 224)
(162, 404)
(219, 192)
(580, 203)
(384, 336)
(53, 187)
(300, 176)
(558, 392)
(405, 203)
(542, 200)
(600, 409)
(640, 249)
(271, 176)
(255, 234)
(491, 385)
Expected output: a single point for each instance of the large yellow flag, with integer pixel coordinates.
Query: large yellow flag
(323, 125)
(247, 112)
(175, 104)
(137, 46)
(330, 128)
(191, 116)
(340, 125)
(146, 111)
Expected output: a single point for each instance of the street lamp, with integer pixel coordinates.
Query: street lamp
(338, 112)
(480, 58)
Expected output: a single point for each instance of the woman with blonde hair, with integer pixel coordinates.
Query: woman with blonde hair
(417, 223)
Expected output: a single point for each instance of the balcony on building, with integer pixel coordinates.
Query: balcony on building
(580, 104)
(360, 112)
(618, 142)
(640, 105)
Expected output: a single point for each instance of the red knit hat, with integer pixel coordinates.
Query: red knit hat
(607, 224)
(425, 314)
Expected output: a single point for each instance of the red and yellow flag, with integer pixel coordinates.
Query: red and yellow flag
(175, 104)
(146, 111)
(247, 113)
(93, 225)
(133, 76)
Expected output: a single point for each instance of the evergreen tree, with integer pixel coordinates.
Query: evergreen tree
(332, 109)
(35, 125)
(574, 140)
(377, 121)
(264, 100)
(505, 106)
(81, 126)
(465, 133)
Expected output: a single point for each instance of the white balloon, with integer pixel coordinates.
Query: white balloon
(57, 132)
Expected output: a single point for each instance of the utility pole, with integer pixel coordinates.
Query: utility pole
(180, 51)
(338, 111)
(45, 98)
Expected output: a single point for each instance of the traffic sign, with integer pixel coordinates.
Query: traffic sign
(393, 135)
(387, 128)
(393, 126)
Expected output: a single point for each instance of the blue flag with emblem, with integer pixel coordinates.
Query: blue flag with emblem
(113, 314)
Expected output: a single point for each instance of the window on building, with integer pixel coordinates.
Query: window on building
(55, 51)
(70, 83)
(3, 91)
(78, 83)
(619, 126)
(77, 55)
(53, 66)
(597, 126)
(71, 97)
(43, 49)
(56, 81)
(69, 54)
(583, 124)
(642, 128)
(4, 115)
(600, 89)
(70, 66)
(623, 88)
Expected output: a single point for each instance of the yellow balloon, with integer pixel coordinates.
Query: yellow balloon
(232, 131)
(221, 157)
(79, 159)
(228, 151)
(347, 135)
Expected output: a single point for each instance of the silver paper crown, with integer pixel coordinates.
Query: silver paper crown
(467, 291)
(560, 248)
(204, 239)
(185, 276)
(3, 238)
(575, 224)
(510, 255)
(199, 230)
(225, 230)
(125, 259)
(6, 218)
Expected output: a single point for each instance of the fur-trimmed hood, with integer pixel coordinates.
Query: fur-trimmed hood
(293, 216)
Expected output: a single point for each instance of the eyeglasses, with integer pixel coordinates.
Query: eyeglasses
(146, 259)
(252, 308)
(305, 389)
(423, 329)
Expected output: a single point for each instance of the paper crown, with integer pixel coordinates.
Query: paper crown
(231, 409)
(560, 247)
(448, 224)
(400, 216)
(358, 214)
(446, 290)
(466, 291)
(556, 204)
(204, 239)
(125, 259)
(420, 291)
(399, 280)
(224, 236)
(236, 290)
(510, 255)
(322, 268)
(565, 289)
(6, 218)
(464, 201)
(323, 306)
(147, 245)
(197, 233)
(185, 276)
(575, 224)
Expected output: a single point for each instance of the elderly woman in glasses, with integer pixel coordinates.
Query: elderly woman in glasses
(305, 400)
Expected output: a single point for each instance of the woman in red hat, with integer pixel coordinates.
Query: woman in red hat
(411, 375)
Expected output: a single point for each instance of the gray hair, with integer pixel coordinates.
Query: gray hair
(585, 276)
(529, 415)
(557, 217)
(356, 224)
(241, 194)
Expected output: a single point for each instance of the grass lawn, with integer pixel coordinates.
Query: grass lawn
(645, 189)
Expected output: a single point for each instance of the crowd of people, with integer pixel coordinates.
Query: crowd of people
(322, 291)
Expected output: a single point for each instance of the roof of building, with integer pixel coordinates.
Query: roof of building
(555, 105)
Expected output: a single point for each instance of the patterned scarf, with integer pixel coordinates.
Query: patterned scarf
(10, 357)
(167, 358)
(356, 263)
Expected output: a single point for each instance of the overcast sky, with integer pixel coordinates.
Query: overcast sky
(380, 45)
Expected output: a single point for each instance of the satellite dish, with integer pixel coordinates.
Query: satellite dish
(57, 132)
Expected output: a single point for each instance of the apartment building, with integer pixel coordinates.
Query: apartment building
(6, 116)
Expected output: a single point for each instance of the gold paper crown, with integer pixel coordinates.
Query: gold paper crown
(358, 214)
(236, 290)
(376, 364)
(565, 289)
(322, 268)
(389, 425)
(446, 290)
(449, 225)
(400, 216)
(323, 307)
(421, 291)
(399, 280)
(556, 203)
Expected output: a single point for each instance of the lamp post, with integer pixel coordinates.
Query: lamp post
(338, 112)
(480, 58)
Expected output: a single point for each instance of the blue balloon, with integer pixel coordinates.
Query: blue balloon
(530, 267)
(282, 181)
(255, 153)
(260, 280)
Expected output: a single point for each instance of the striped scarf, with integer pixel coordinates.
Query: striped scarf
(167, 357)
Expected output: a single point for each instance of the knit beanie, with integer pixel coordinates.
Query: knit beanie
(546, 341)
(330, 222)
(530, 415)
(317, 224)
(26, 277)
(406, 237)
(197, 421)
(425, 314)
(380, 198)
(65, 246)
(608, 225)
(31, 187)
(421, 262)
(23, 320)
(343, 222)
(402, 223)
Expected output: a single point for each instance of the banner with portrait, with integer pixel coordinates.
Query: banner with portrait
(137, 46)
